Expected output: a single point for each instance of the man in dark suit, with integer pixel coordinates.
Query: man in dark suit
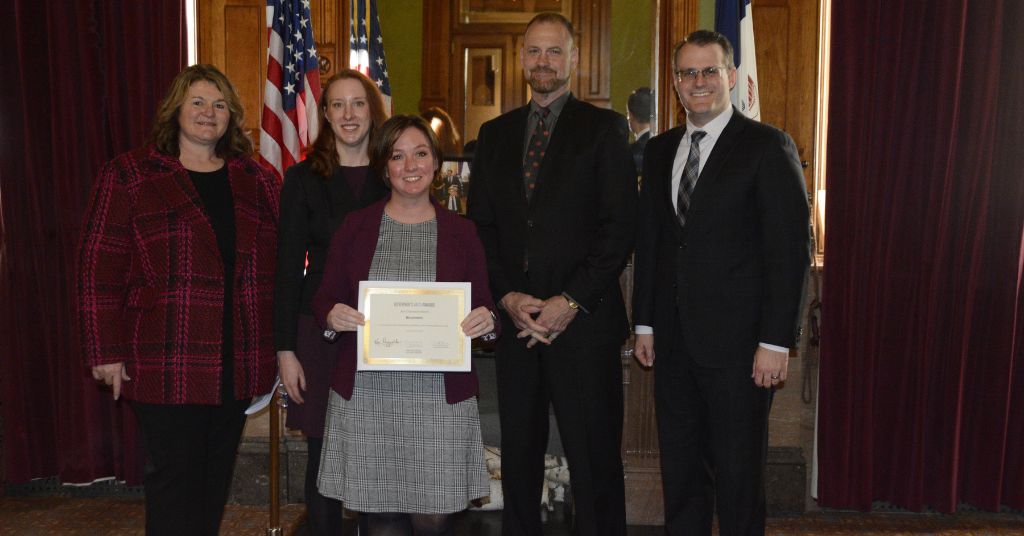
(638, 113)
(554, 199)
(721, 259)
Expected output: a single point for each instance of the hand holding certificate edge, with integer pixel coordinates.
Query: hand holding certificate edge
(478, 322)
(345, 318)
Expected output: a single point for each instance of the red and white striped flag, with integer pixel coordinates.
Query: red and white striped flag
(290, 117)
(367, 47)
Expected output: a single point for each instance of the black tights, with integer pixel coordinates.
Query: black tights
(409, 524)
(323, 513)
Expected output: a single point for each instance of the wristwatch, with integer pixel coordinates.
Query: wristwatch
(572, 303)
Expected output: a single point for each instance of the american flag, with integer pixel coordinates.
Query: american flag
(367, 46)
(290, 121)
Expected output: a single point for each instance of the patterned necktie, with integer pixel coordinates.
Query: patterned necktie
(535, 152)
(690, 172)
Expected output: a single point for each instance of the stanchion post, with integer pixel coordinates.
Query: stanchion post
(274, 522)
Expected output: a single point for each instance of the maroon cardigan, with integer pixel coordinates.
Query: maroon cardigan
(460, 257)
(151, 282)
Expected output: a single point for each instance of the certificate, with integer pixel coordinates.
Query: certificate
(413, 326)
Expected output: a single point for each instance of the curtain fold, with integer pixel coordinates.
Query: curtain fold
(83, 82)
(920, 382)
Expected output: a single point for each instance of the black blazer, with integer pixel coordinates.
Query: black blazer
(312, 208)
(637, 148)
(736, 271)
(579, 226)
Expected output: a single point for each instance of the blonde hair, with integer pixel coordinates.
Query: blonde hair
(234, 142)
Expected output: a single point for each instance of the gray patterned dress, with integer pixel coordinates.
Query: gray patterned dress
(398, 445)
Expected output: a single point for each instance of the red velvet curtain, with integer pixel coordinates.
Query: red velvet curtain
(922, 378)
(82, 82)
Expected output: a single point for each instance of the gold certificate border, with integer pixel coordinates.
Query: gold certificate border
(378, 361)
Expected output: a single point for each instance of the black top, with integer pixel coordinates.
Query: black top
(312, 208)
(219, 206)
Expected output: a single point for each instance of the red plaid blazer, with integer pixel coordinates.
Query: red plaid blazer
(151, 285)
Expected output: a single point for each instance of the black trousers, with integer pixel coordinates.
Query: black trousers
(713, 436)
(584, 385)
(191, 453)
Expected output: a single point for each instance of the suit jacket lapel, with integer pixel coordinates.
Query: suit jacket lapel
(173, 181)
(512, 154)
(666, 195)
(556, 145)
(713, 167)
(245, 191)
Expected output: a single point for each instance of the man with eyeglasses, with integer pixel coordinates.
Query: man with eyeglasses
(721, 259)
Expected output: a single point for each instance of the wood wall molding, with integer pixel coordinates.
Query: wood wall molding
(437, 53)
(676, 19)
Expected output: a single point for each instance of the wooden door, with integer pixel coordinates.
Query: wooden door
(482, 83)
(786, 33)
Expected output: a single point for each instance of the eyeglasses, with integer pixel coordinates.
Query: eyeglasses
(691, 74)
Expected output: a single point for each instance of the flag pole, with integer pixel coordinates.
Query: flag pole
(274, 523)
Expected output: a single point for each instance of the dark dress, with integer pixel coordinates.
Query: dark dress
(312, 208)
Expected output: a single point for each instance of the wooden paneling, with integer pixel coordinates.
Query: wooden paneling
(330, 29)
(437, 56)
(245, 36)
(445, 37)
(233, 37)
(593, 28)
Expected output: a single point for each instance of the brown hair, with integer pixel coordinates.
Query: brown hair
(384, 143)
(164, 136)
(703, 38)
(323, 155)
(448, 136)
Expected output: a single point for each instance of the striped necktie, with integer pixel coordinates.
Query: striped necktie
(689, 179)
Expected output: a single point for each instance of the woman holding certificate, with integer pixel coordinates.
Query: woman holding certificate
(401, 447)
(318, 193)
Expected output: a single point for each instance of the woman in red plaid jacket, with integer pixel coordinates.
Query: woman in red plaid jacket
(175, 288)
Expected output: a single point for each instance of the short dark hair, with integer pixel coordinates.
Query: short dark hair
(554, 18)
(639, 104)
(703, 38)
(383, 143)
